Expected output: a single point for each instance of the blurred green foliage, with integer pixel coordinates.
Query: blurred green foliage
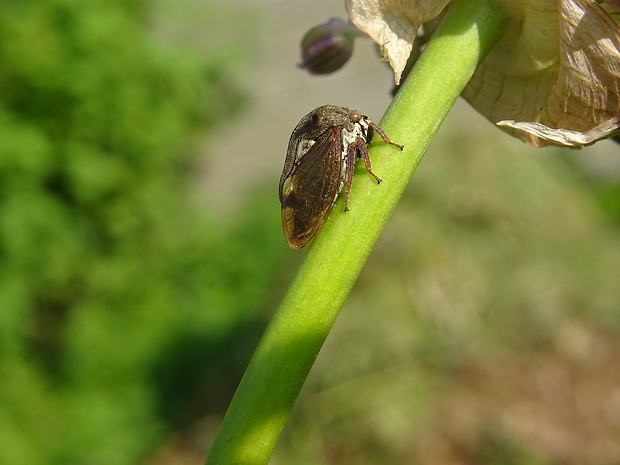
(126, 314)
(117, 298)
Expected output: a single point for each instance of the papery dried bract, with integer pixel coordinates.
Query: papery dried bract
(393, 24)
(564, 137)
(554, 78)
(570, 97)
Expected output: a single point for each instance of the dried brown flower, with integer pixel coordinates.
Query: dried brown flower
(553, 78)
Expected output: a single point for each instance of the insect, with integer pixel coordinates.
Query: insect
(320, 162)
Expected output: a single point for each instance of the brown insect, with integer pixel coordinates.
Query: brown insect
(320, 162)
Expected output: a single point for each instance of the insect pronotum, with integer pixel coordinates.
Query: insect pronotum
(320, 162)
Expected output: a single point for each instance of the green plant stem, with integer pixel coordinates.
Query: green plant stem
(294, 337)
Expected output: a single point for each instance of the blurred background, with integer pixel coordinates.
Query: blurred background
(141, 144)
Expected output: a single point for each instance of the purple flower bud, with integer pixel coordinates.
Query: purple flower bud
(326, 48)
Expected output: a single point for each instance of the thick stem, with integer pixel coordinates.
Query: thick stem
(334, 260)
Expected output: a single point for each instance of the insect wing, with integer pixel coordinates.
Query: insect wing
(308, 194)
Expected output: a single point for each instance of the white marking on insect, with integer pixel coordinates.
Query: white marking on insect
(312, 179)
(303, 146)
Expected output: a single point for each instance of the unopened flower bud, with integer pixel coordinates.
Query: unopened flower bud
(326, 48)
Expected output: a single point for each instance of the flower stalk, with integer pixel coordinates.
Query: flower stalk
(292, 341)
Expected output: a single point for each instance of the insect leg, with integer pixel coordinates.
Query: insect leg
(363, 151)
(383, 135)
(348, 177)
